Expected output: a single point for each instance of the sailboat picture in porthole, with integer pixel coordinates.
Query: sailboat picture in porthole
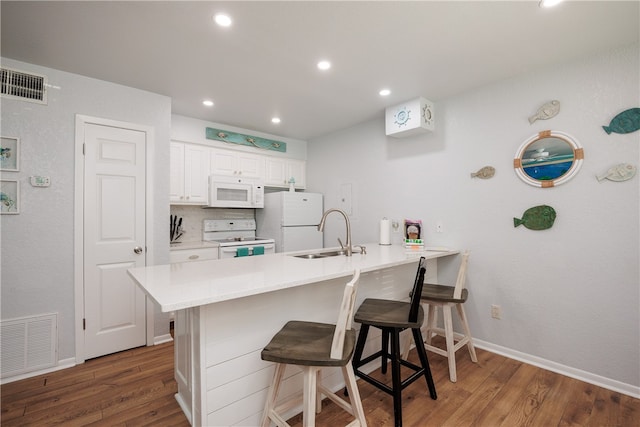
(548, 158)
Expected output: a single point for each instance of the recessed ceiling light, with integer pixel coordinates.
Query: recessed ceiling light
(549, 3)
(207, 103)
(385, 92)
(324, 65)
(275, 120)
(222, 19)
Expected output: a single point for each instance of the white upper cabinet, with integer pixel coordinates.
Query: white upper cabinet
(228, 162)
(278, 172)
(176, 172)
(189, 173)
(298, 170)
(191, 164)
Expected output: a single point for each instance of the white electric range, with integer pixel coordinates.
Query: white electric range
(236, 238)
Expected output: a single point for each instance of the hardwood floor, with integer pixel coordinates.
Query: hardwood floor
(136, 388)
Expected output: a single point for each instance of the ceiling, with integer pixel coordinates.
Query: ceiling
(264, 65)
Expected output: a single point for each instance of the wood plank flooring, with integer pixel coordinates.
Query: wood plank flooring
(136, 388)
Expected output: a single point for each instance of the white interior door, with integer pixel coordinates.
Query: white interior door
(114, 238)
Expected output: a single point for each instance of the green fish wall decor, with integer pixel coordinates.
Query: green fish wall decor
(537, 218)
(626, 122)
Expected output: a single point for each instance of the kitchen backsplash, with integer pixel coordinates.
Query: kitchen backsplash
(193, 216)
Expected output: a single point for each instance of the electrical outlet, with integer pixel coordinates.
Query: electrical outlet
(496, 313)
(439, 227)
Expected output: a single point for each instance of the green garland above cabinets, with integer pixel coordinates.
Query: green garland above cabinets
(251, 141)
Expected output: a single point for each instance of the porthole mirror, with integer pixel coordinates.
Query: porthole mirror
(548, 158)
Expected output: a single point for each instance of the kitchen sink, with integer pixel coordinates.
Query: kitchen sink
(316, 255)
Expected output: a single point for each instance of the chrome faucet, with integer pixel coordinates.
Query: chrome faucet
(348, 247)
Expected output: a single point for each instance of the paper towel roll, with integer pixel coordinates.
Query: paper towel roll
(385, 231)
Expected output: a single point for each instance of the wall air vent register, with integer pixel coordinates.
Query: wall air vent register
(23, 86)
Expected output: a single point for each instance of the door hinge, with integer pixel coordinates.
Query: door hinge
(84, 324)
(83, 147)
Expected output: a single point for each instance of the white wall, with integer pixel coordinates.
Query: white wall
(37, 244)
(570, 294)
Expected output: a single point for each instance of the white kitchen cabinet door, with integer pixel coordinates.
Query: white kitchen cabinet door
(229, 162)
(297, 169)
(251, 165)
(188, 173)
(176, 172)
(278, 171)
(196, 173)
(223, 162)
(275, 170)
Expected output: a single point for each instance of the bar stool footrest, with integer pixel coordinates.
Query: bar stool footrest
(418, 373)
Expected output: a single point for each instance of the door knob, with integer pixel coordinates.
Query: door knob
(137, 250)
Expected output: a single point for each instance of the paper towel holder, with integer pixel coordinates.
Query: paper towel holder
(385, 232)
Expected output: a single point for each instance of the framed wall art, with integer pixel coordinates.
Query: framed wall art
(9, 154)
(9, 196)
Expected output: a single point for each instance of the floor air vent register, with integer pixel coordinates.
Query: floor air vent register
(28, 344)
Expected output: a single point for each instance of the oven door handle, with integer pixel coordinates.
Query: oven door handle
(264, 247)
(234, 249)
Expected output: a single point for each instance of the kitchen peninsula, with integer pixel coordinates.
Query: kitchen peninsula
(227, 310)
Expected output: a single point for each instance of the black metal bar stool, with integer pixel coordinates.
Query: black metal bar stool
(393, 317)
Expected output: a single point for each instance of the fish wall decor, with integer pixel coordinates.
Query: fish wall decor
(537, 218)
(548, 110)
(484, 173)
(626, 122)
(621, 172)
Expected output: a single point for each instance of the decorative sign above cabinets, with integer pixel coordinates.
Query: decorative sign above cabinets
(251, 141)
(409, 118)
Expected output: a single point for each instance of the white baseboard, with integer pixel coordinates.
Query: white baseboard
(588, 377)
(62, 364)
(161, 339)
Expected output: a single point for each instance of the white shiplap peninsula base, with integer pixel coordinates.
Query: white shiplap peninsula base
(227, 311)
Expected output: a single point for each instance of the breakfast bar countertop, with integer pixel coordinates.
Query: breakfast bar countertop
(191, 284)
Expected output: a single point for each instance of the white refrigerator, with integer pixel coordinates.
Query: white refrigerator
(291, 219)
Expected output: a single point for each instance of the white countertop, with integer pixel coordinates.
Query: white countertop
(191, 284)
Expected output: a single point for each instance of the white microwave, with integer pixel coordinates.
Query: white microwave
(235, 192)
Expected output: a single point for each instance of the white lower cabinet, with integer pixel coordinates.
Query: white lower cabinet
(186, 255)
